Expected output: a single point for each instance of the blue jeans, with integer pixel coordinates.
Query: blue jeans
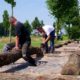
(52, 37)
(51, 45)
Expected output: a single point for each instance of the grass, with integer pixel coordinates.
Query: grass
(65, 37)
(36, 41)
(3, 41)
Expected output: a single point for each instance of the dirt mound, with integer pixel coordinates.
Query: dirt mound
(72, 67)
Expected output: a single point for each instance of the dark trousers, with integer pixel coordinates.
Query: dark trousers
(25, 53)
(52, 37)
(51, 48)
(51, 45)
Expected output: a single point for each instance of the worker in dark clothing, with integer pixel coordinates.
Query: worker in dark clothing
(23, 40)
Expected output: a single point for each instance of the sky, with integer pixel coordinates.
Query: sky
(28, 10)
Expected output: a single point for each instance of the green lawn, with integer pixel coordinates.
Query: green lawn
(36, 44)
(36, 41)
(1, 46)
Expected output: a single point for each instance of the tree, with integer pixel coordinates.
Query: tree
(28, 26)
(36, 23)
(1, 29)
(42, 23)
(74, 30)
(6, 22)
(12, 3)
(74, 20)
(61, 9)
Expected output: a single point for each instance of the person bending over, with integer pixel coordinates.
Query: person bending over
(23, 39)
(48, 34)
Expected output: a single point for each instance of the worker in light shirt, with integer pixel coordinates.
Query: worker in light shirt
(48, 33)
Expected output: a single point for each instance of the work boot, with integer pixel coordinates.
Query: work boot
(30, 60)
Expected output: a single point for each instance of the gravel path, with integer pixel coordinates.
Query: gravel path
(47, 68)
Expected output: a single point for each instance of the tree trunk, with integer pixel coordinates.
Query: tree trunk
(10, 29)
(14, 55)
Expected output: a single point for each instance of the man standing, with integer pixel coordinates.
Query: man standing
(23, 39)
(48, 33)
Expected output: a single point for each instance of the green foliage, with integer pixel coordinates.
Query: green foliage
(65, 11)
(60, 8)
(73, 32)
(28, 26)
(36, 23)
(12, 2)
(73, 17)
(76, 20)
(42, 23)
(6, 22)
